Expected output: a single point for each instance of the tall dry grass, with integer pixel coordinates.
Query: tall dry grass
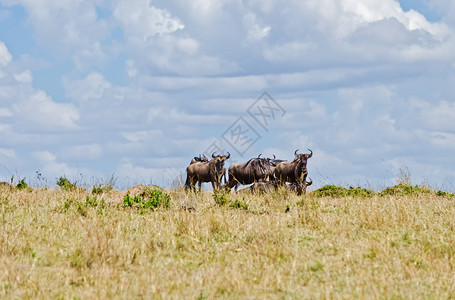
(57, 244)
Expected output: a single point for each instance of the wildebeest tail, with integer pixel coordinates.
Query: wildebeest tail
(187, 182)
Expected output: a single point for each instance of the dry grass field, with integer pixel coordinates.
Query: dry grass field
(77, 245)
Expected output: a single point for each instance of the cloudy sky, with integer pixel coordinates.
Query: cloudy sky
(136, 88)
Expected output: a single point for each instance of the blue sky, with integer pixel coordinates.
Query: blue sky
(137, 88)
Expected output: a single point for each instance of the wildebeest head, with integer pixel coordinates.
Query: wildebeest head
(302, 159)
(219, 161)
(303, 156)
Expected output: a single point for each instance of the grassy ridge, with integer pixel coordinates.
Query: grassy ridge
(77, 244)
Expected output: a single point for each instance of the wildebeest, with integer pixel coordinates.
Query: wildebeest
(202, 158)
(211, 171)
(293, 171)
(275, 161)
(256, 169)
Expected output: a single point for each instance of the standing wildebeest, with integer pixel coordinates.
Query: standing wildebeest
(199, 159)
(293, 171)
(211, 171)
(256, 169)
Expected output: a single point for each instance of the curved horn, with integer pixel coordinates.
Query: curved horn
(229, 155)
(203, 155)
(308, 183)
(259, 156)
(295, 153)
(311, 154)
(213, 155)
(274, 157)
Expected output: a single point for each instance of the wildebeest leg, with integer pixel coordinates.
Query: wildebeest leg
(193, 184)
(299, 188)
(280, 182)
(230, 184)
(200, 185)
(214, 185)
(189, 184)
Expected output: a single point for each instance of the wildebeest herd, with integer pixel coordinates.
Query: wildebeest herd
(262, 174)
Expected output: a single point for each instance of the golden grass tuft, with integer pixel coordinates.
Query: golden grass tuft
(72, 244)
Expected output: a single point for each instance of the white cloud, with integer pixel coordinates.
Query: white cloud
(49, 164)
(141, 19)
(8, 153)
(255, 31)
(146, 175)
(91, 88)
(24, 77)
(433, 116)
(5, 56)
(67, 28)
(83, 152)
(38, 111)
(5, 112)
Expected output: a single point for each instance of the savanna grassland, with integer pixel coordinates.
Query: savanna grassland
(331, 243)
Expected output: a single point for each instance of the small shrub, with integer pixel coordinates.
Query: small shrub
(404, 189)
(91, 201)
(156, 197)
(101, 189)
(221, 197)
(22, 184)
(68, 203)
(97, 190)
(316, 267)
(150, 198)
(446, 194)
(239, 204)
(81, 208)
(128, 201)
(338, 192)
(65, 184)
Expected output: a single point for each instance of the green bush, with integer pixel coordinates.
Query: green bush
(21, 184)
(338, 192)
(446, 194)
(404, 189)
(101, 188)
(91, 201)
(221, 197)
(65, 184)
(239, 204)
(150, 198)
